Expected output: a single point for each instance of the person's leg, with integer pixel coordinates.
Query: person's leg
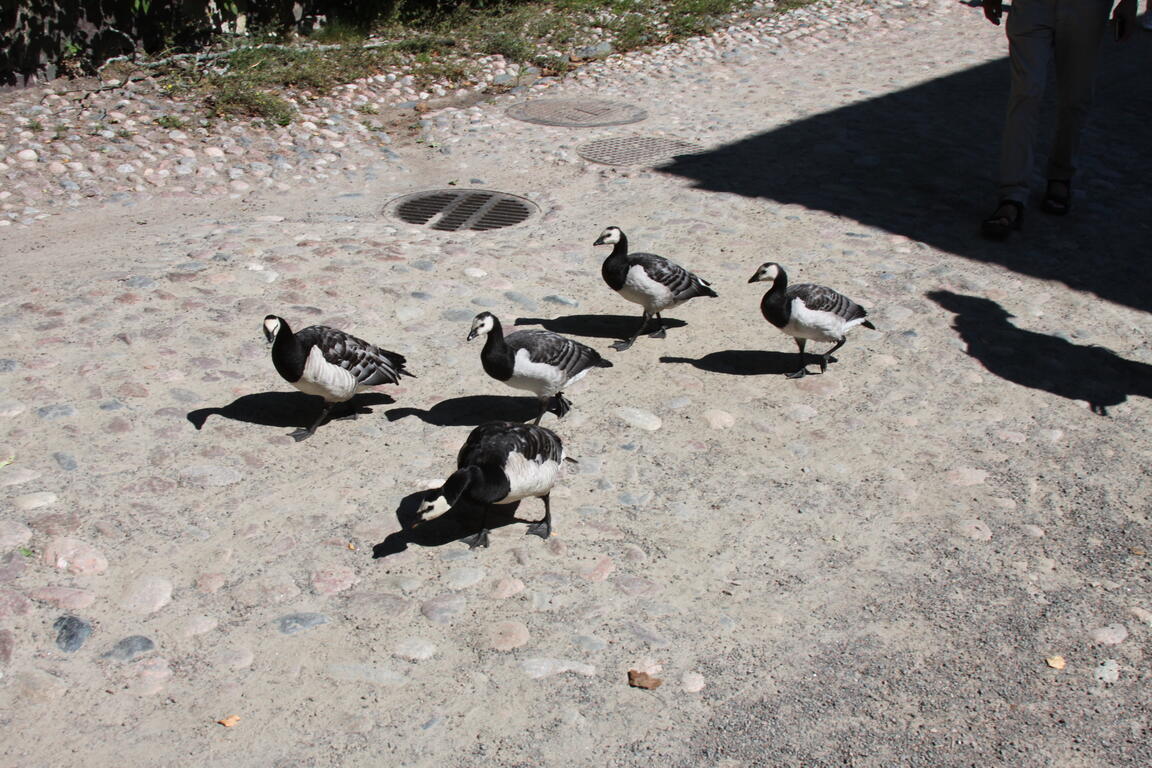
(1080, 26)
(1030, 29)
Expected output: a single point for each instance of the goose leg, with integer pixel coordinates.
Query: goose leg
(620, 346)
(803, 368)
(302, 433)
(479, 539)
(825, 358)
(543, 529)
(543, 409)
(349, 412)
(659, 333)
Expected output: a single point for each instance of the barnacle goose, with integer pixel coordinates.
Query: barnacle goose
(808, 311)
(651, 281)
(501, 462)
(329, 363)
(539, 361)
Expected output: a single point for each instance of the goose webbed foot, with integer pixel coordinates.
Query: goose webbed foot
(797, 374)
(477, 539)
(301, 434)
(620, 346)
(659, 333)
(563, 405)
(543, 529)
(304, 433)
(826, 358)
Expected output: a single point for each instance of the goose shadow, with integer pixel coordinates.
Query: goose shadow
(460, 521)
(471, 411)
(284, 409)
(742, 362)
(1040, 361)
(595, 326)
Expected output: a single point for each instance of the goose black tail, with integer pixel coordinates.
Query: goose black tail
(868, 324)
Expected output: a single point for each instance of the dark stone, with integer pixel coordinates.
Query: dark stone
(66, 461)
(71, 633)
(129, 647)
(55, 411)
(298, 622)
(7, 365)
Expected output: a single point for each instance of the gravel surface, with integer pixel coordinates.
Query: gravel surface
(936, 554)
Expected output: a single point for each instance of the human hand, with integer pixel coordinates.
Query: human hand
(993, 9)
(1125, 19)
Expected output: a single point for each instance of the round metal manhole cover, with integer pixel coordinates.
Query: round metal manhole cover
(452, 210)
(635, 150)
(576, 113)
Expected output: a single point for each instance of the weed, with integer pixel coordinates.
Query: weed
(234, 99)
(511, 45)
(171, 122)
(123, 133)
(368, 109)
(35, 125)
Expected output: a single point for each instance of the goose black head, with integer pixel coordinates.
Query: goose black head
(482, 324)
(768, 271)
(609, 236)
(437, 501)
(272, 326)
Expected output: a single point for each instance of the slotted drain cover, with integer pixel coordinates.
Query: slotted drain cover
(576, 113)
(635, 150)
(452, 210)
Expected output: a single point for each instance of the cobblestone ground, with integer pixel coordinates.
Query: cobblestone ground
(936, 554)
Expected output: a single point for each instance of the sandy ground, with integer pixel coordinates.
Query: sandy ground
(936, 554)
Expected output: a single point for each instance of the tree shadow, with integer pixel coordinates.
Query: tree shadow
(471, 411)
(595, 326)
(284, 409)
(460, 521)
(920, 163)
(1040, 361)
(742, 362)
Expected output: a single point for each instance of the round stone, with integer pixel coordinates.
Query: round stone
(692, 682)
(198, 625)
(976, 530)
(719, 419)
(146, 594)
(966, 476)
(415, 649)
(13, 534)
(332, 580)
(1108, 671)
(13, 603)
(66, 598)
(638, 418)
(31, 501)
(129, 648)
(74, 556)
(506, 635)
(506, 587)
(443, 608)
(462, 578)
(71, 633)
(1113, 634)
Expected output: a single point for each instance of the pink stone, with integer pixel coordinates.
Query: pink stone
(149, 676)
(1113, 634)
(56, 523)
(132, 389)
(13, 603)
(74, 556)
(965, 476)
(600, 571)
(506, 635)
(68, 598)
(635, 585)
(7, 646)
(210, 582)
(13, 534)
(275, 588)
(146, 594)
(974, 529)
(329, 581)
(506, 587)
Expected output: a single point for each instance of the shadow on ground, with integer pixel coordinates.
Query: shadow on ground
(595, 326)
(472, 410)
(742, 362)
(284, 409)
(461, 520)
(921, 163)
(1040, 361)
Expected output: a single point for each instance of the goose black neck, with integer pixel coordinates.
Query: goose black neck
(288, 353)
(489, 484)
(774, 305)
(494, 357)
(614, 270)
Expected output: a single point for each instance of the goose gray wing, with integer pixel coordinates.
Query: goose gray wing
(369, 364)
(821, 299)
(682, 283)
(553, 349)
(494, 441)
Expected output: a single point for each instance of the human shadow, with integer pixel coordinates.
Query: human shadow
(1040, 361)
(595, 326)
(471, 411)
(460, 521)
(920, 163)
(742, 362)
(284, 409)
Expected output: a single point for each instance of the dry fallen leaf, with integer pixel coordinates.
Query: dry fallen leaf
(1056, 662)
(1138, 550)
(229, 721)
(351, 546)
(638, 679)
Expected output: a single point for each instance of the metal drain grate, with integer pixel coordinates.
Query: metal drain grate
(635, 150)
(576, 113)
(452, 210)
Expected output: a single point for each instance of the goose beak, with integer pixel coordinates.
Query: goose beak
(755, 278)
(599, 240)
(472, 334)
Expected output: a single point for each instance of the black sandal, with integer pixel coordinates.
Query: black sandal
(1000, 224)
(1057, 197)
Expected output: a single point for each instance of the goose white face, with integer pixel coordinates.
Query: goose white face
(271, 327)
(433, 507)
(610, 236)
(482, 324)
(767, 273)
